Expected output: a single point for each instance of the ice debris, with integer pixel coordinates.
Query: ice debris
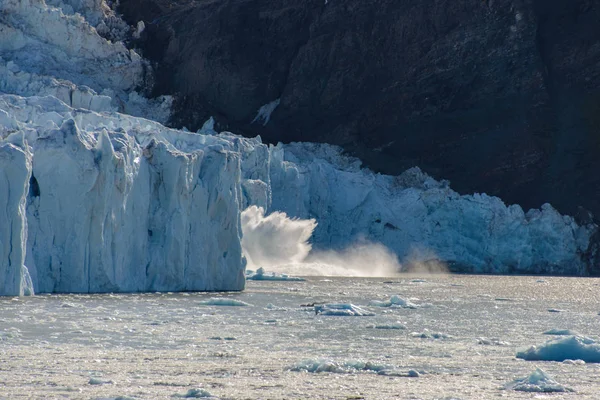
(426, 334)
(538, 381)
(343, 367)
(342, 310)
(491, 342)
(195, 394)
(262, 275)
(99, 381)
(394, 301)
(223, 301)
(393, 326)
(570, 347)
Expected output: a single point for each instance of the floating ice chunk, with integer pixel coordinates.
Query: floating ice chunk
(561, 332)
(264, 113)
(98, 381)
(396, 325)
(491, 342)
(342, 310)
(273, 307)
(195, 394)
(538, 381)
(570, 347)
(344, 367)
(426, 334)
(574, 362)
(223, 301)
(262, 275)
(394, 301)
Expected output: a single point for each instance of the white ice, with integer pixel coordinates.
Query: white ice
(223, 301)
(570, 347)
(394, 301)
(195, 394)
(342, 310)
(537, 381)
(343, 367)
(262, 275)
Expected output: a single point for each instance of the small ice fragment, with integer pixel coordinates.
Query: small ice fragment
(491, 342)
(195, 394)
(387, 326)
(538, 381)
(273, 307)
(574, 362)
(426, 334)
(223, 301)
(342, 310)
(325, 365)
(394, 301)
(262, 275)
(98, 381)
(561, 332)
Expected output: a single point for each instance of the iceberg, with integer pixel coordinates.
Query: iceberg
(567, 348)
(537, 381)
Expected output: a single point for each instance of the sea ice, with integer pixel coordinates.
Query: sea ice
(195, 394)
(538, 381)
(396, 325)
(394, 301)
(342, 310)
(426, 334)
(222, 301)
(99, 381)
(570, 347)
(492, 342)
(262, 275)
(325, 365)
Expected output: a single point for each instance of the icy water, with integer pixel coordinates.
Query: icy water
(151, 346)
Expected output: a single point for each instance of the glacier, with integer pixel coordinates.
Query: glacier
(97, 195)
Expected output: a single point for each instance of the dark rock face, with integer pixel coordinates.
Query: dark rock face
(498, 96)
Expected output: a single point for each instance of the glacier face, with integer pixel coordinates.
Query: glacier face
(421, 220)
(119, 209)
(96, 198)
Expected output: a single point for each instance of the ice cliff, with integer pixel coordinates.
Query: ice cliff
(96, 198)
(421, 220)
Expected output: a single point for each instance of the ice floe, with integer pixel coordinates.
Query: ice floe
(394, 301)
(342, 310)
(223, 301)
(537, 381)
(570, 347)
(262, 275)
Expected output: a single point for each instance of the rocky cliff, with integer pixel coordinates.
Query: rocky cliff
(498, 96)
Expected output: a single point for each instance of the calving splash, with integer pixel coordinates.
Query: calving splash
(279, 243)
